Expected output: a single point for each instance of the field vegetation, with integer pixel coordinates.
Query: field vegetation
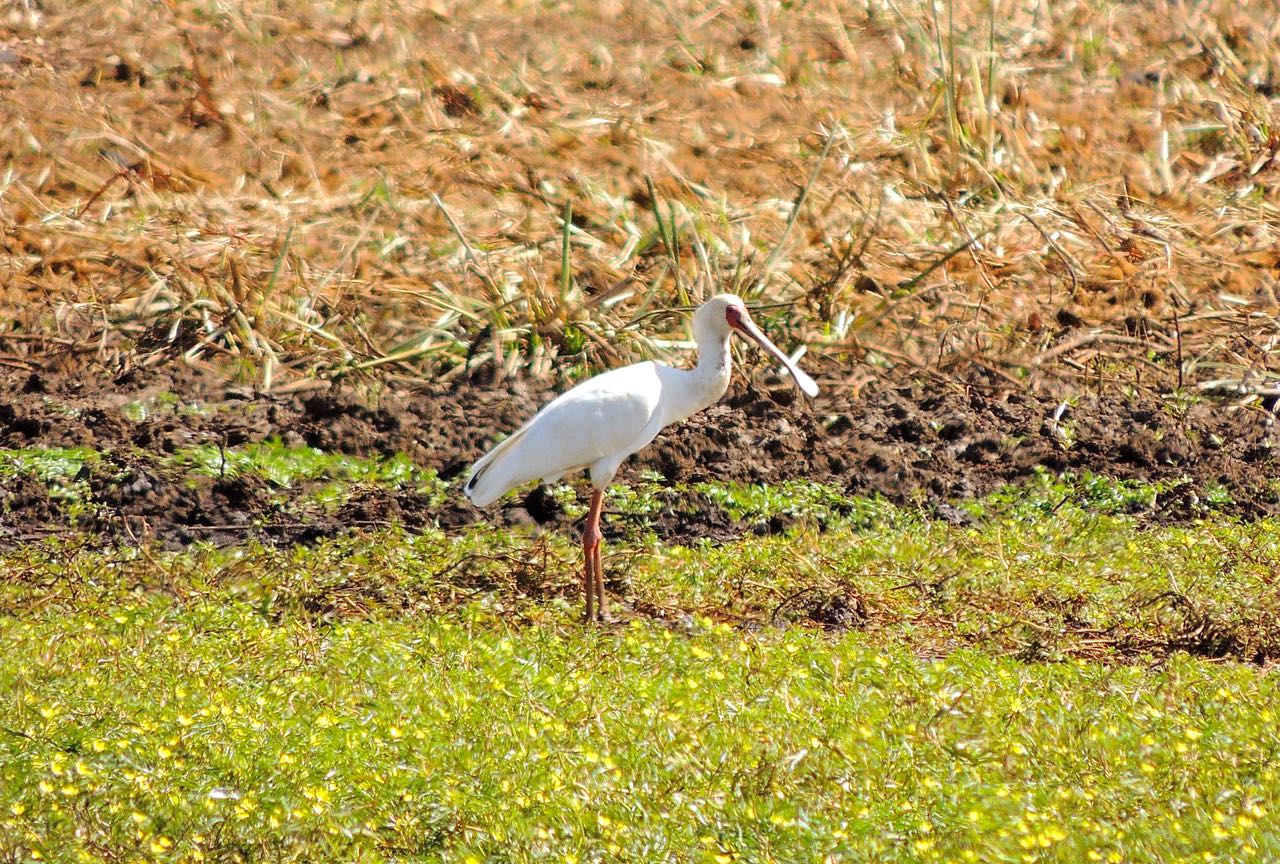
(1047, 684)
(273, 273)
(1080, 190)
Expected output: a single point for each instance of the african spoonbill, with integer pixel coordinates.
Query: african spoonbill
(600, 422)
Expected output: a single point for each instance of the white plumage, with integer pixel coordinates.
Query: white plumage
(599, 423)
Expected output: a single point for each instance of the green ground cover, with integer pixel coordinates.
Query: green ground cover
(1054, 682)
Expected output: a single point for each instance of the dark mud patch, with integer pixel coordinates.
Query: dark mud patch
(27, 509)
(128, 497)
(679, 516)
(833, 612)
(909, 442)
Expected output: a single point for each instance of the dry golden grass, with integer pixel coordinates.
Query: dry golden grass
(1023, 193)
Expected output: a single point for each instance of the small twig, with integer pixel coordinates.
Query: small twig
(788, 600)
(204, 90)
(121, 174)
(1177, 332)
(566, 262)
(796, 205)
(668, 240)
(908, 284)
(1071, 271)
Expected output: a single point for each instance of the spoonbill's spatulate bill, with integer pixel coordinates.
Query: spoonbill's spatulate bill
(603, 420)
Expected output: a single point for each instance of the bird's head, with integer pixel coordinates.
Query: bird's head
(727, 313)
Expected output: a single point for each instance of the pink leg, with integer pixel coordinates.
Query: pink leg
(593, 579)
(603, 613)
(588, 581)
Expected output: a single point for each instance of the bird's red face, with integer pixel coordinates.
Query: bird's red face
(735, 315)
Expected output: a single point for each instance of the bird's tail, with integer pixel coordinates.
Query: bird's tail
(485, 485)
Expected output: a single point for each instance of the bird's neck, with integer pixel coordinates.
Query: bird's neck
(703, 385)
(711, 375)
(713, 355)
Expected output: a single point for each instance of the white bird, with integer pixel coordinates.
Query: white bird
(600, 422)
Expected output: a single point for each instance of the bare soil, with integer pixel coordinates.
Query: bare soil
(910, 442)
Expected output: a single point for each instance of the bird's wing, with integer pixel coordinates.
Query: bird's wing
(605, 416)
